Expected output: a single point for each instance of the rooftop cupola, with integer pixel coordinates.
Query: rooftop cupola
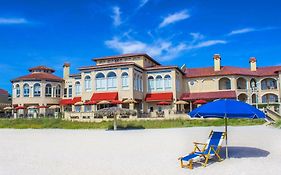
(41, 69)
(253, 63)
(217, 62)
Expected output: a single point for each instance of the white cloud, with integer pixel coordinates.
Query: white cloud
(178, 16)
(116, 16)
(163, 50)
(207, 43)
(142, 3)
(13, 21)
(241, 31)
(196, 36)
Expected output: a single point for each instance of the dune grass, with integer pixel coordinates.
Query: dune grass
(278, 124)
(134, 124)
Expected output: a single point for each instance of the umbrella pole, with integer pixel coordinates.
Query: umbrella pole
(226, 149)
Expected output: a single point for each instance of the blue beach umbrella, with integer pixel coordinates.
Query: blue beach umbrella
(227, 108)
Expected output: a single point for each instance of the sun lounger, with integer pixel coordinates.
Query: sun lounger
(204, 150)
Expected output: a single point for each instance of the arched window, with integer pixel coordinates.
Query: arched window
(268, 83)
(77, 88)
(167, 82)
(125, 80)
(269, 98)
(26, 90)
(100, 81)
(150, 83)
(224, 84)
(159, 82)
(48, 90)
(88, 83)
(58, 91)
(111, 80)
(36, 90)
(17, 90)
(241, 83)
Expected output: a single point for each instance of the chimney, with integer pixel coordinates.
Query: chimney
(217, 62)
(66, 70)
(253, 63)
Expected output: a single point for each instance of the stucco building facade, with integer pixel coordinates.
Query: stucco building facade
(139, 82)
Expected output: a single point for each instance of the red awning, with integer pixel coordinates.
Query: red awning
(163, 103)
(168, 96)
(208, 95)
(197, 102)
(70, 101)
(108, 96)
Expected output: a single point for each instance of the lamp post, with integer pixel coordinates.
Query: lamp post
(255, 90)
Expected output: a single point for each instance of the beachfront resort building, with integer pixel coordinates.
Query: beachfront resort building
(39, 92)
(138, 82)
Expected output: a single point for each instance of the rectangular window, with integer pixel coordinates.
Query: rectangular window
(65, 92)
(70, 91)
(159, 83)
(88, 108)
(77, 108)
(125, 82)
(150, 85)
(111, 82)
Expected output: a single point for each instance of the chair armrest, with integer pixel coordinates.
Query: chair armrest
(198, 143)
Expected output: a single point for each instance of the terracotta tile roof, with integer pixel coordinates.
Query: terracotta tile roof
(127, 55)
(229, 70)
(109, 65)
(41, 68)
(39, 76)
(166, 96)
(163, 67)
(104, 96)
(3, 92)
(208, 95)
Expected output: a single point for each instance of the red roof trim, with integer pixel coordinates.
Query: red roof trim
(208, 95)
(109, 96)
(166, 96)
(64, 102)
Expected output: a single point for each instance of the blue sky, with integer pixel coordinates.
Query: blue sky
(174, 32)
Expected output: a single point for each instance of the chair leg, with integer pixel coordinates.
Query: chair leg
(181, 164)
(190, 164)
(206, 161)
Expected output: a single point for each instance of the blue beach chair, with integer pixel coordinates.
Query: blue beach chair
(206, 150)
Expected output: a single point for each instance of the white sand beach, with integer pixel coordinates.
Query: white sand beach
(254, 150)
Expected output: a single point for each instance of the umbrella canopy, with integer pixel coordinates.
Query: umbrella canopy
(32, 107)
(79, 103)
(90, 103)
(197, 102)
(8, 108)
(181, 102)
(41, 107)
(129, 101)
(54, 107)
(116, 102)
(103, 102)
(163, 103)
(227, 108)
(19, 107)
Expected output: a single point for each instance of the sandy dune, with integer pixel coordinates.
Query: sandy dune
(253, 150)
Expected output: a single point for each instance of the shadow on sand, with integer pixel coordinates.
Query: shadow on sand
(127, 127)
(244, 152)
(236, 152)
